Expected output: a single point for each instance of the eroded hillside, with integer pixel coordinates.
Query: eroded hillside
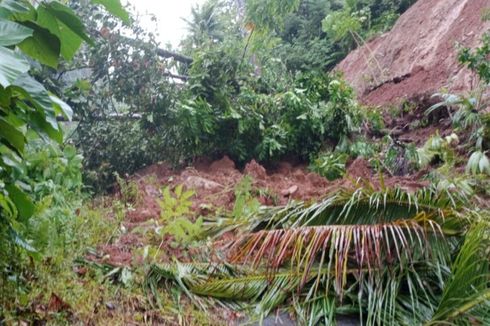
(419, 55)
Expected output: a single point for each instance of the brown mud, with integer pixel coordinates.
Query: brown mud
(214, 186)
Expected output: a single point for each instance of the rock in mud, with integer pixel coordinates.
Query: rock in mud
(195, 182)
(290, 191)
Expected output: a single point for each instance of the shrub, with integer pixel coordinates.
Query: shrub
(330, 165)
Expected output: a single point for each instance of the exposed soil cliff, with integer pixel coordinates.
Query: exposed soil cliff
(419, 55)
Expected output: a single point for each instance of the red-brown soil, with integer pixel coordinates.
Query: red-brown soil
(419, 55)
(214, 185)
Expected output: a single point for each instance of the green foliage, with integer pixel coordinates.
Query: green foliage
(478, 163)
(51, 190)
(115, 8)
(268, 14)
(437, 149)
(129, 190)
(28, 111)
(340, 24)
(245, 204)
(40, 177)
(470, 117)
(262, 118)
(477, 60)
(205, 24)
(175, 213)
(330, 166)
(238, 100)
(468, 286)
(320, 33)
(63, 274)
(375, 120)
(120, 95)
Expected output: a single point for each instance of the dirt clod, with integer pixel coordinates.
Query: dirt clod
(359, 168)
(255, 170)
(222, 165)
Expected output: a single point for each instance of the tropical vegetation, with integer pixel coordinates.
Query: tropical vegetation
(88, 97)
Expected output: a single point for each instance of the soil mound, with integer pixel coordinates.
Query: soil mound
(255, 170)
(214, 185)
(418, 56)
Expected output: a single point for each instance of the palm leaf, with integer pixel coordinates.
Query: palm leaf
(370, 247)
(360, 204)
(225, 283)
(367, 205)
(232, 284)
(469, 286)
(384, 253)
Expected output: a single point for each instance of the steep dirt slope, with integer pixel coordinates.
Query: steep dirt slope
(418, 56)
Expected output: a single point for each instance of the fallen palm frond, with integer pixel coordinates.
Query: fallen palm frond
(232, 284)
(360, 204)
(229, 284)
(341, 247)
(217, 226)
(469, 286)
(187, 276)
(386, 255)
(367, 205)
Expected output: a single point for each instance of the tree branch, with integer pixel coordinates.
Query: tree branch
(178, 57)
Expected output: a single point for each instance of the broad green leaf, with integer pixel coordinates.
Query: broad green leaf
(478, 163)
(15, 6)
(42, 46)
(69, 41)
(35, 91)
(18, 10)
(8, 208)
(42, 126)
(22, 243)
(69, 24)
(70, 151)
(4, 13)
(115, 8)
(12, 136)
(12, 65)
(44, 118)
(61, 107)
(484, 164)
(12, 33)
(5, 99)
(24, 205)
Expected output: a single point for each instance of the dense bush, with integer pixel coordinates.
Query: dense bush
(263, 118)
